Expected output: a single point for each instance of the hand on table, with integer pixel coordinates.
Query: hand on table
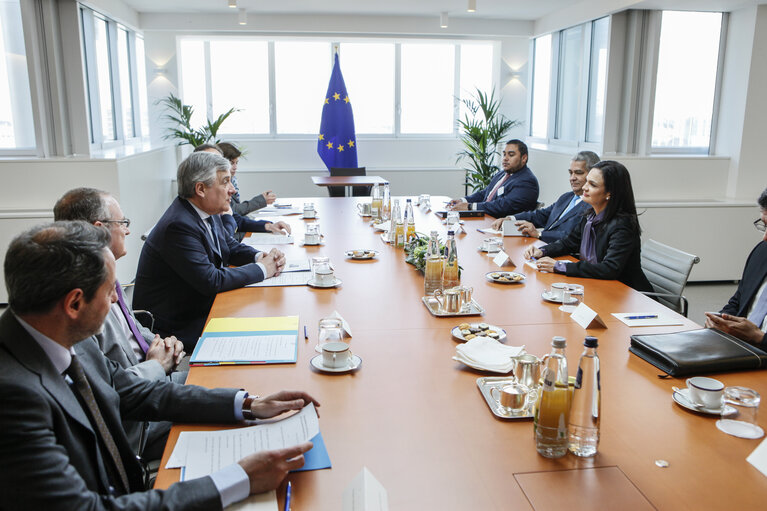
(497, 224)
(527, 228)
(277, 227)
(545, 264)
(736, 326)
(269, 196)
(267, 469)
(280, 402)
(274, 262)
(460, 205)
(532, 252)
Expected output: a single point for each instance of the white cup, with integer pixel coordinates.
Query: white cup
(309, 210)
(557, 291)
(336, 355)
(706, 392)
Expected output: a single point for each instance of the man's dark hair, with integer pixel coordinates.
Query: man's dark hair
(205, 147)
(82, 204)
(617, 182)
(48, 261)
(762, 200)
(230, 151)
(521, 146)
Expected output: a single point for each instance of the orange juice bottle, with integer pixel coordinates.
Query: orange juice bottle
(409, 222)
(450, 275)
(552, 412)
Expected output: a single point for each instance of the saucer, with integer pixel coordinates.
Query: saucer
(682, 398)
(456, 332)
(553, 299)
(369, 254)
(312, 283)
(511, 277)
(316, 363)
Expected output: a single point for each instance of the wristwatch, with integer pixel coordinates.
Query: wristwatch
(247, 413)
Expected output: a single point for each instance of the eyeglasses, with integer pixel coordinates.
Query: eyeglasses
(760, 225)
(125, 222)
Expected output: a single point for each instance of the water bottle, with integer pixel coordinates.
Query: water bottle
(386, 208)
(433, 268)
(552, 412)
(583, 435)
(450, 276)
(409, 221)
(397, 227)
(376, 202)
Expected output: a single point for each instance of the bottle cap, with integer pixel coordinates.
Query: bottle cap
(559, 342)
(590, 342)
(409, 200)
(451, 233)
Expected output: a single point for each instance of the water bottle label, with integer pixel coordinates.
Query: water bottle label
(548, 379)
(579, 378)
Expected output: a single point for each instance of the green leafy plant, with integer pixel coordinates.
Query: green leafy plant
(181, 117)
(415, 252)
(482, 129)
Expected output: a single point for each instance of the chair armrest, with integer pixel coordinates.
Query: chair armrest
(670, 295)
(148, 318)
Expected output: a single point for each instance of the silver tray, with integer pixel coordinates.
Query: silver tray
(432, 304)
(485, 384)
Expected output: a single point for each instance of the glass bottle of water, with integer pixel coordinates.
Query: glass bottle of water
(585, 415)
(450, 276)
(397, 227)
(376, 202)
(409, 221)
(386, 208)
(433, 266)
(553, 410)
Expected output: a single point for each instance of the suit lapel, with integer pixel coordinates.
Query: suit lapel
(214, 255)
(574, 211)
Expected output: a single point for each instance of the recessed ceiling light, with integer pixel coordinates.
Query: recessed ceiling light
(443, 20)
(243, 17)
(472, 6)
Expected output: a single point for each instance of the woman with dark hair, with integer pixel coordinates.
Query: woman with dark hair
(233, 154)
(608, 238)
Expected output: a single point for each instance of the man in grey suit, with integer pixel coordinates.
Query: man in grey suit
(122, 338)
(62, 445)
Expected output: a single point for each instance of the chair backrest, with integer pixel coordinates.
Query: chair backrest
(667, 269)
(347, 171)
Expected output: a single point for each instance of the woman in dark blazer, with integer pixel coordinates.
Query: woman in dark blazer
(608, 237)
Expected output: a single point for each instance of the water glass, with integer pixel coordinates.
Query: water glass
(424, 201)
(330, 330)
(739, 413)
(452, 220)
(572, 297)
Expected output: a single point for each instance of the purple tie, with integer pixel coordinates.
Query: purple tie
(760, 310)
(129, 319)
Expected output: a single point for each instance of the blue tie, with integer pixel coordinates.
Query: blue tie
(569, 206)
(760, 310)
(214, 234)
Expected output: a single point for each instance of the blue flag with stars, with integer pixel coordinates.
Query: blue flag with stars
(336, 144)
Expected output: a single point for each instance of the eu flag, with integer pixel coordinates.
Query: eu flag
(336, 144)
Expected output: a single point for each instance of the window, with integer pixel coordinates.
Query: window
(115, 80)
(688, 58)
(578, 57)
(17, 130)
(396, 88)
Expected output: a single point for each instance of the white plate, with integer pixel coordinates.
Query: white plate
(682, 398)
(370, 254)
(507, 273)
(456, 332)
(312, 283)
(553, 299)
(316, 363)
(305, 244)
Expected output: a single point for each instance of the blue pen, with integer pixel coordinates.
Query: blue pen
(646, 316)
(306, 336)
(288, 491)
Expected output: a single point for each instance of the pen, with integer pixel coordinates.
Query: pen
(306, 336)
(288, 491)
(645, 316)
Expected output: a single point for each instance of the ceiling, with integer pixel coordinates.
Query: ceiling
(497, 9)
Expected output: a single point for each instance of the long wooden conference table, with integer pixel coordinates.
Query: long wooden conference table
(415, 418)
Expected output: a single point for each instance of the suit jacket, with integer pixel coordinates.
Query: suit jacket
(180, 271)
(49, 449)
(237, 225)
(618, 249)
(753, 276)
(555, 228)
(247, 206)
(519, 193)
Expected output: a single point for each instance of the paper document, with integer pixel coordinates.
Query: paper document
(297, 265)
(267, 238)
(208, 451)
(532, 265)
(259, 502)
(488, 230)
(758, 457)
(245, 347)
(365, 493)
(659, 320)
(291, 278)
(276, 323)
(272, 211)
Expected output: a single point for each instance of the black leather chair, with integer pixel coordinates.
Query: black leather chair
(357, 191)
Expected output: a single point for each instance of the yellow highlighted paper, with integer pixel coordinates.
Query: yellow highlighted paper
(280, 323)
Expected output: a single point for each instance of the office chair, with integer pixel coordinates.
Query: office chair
(357, 191)
(667, 269)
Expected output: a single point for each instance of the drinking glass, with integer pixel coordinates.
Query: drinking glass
(739, 412)
(452, 220)
(330, 330)
(572, 297)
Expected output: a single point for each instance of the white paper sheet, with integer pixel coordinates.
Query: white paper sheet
(272, 211)
(297, 265)
(502, 259)
(208, 451)
(261, 502)
(365, 493)
(291, 278)
(267, 238)
(758, 457)
(585, 315)
(488, 230)
(251, 348)
(661, 320)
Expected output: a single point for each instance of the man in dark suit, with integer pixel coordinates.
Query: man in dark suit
(745, 315)
(186, 259)
(62, 445)
(556, 221)
(510, 191)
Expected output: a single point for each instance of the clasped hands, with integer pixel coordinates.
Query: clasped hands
(273, 261)
(541, 262)
(167, 352)
(736, 326)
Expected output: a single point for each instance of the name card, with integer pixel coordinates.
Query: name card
(365, 493)
(344, 323)
(508, 227)
(502, 259)
(587, 317)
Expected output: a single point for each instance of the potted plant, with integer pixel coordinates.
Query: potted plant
(482, 129)
(180, 117)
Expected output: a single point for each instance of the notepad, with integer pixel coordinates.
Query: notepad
(267, 238)
(289, 278)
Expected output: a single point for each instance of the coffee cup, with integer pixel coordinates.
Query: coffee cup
(706, 392)
(336, 355)
(511, 398)
(557, 291)
(450, 300)
(491, 245)
(365, 208)
(309, 210)
(312, 235)
(325, 276)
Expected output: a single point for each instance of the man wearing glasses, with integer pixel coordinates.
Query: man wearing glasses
(745, 315)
